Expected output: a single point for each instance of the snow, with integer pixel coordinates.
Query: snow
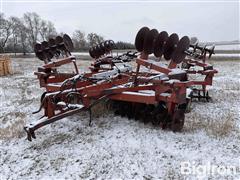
(70, 105)
(111, 73)
(160, 76)
(165, 94)
(228, 47)
(115, 147)
(171, 81)
(139, 93)
(227, 55)
(147, 92)
(176, 71)
(161, 64)
(188, 93)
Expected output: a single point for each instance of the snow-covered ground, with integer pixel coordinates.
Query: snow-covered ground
(228, 47)
(115, 147)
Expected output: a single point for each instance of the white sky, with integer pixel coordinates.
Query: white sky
(209, 21)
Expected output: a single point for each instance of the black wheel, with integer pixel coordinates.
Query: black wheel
(147, 113)
(159, 115)
(139, 40)
(148, 45)
(68, 42)
(159, 43)
(179, 53)
(178, 120)
(170, 46)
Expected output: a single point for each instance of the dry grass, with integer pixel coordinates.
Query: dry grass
(101, 109)
(172, 173)
(235, 86)
(219, 126)
(222, 127)
(15, 130)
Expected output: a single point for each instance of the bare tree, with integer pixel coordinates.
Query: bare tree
(94, 39)
(25, 32)
(33, 24)
(5, 31)
(79, 40)
(61, 34)
(19, 34)
(47, 30)
(23, 38)
(124, 45)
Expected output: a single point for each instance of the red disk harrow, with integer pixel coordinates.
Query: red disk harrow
(134, 84)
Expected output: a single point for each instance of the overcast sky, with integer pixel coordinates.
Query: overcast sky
(213, 21)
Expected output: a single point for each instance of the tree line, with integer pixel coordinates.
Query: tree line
(19, 34)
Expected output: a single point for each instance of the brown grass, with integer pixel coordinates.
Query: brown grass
(217, 126)
(222, 127)
(101, 109)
